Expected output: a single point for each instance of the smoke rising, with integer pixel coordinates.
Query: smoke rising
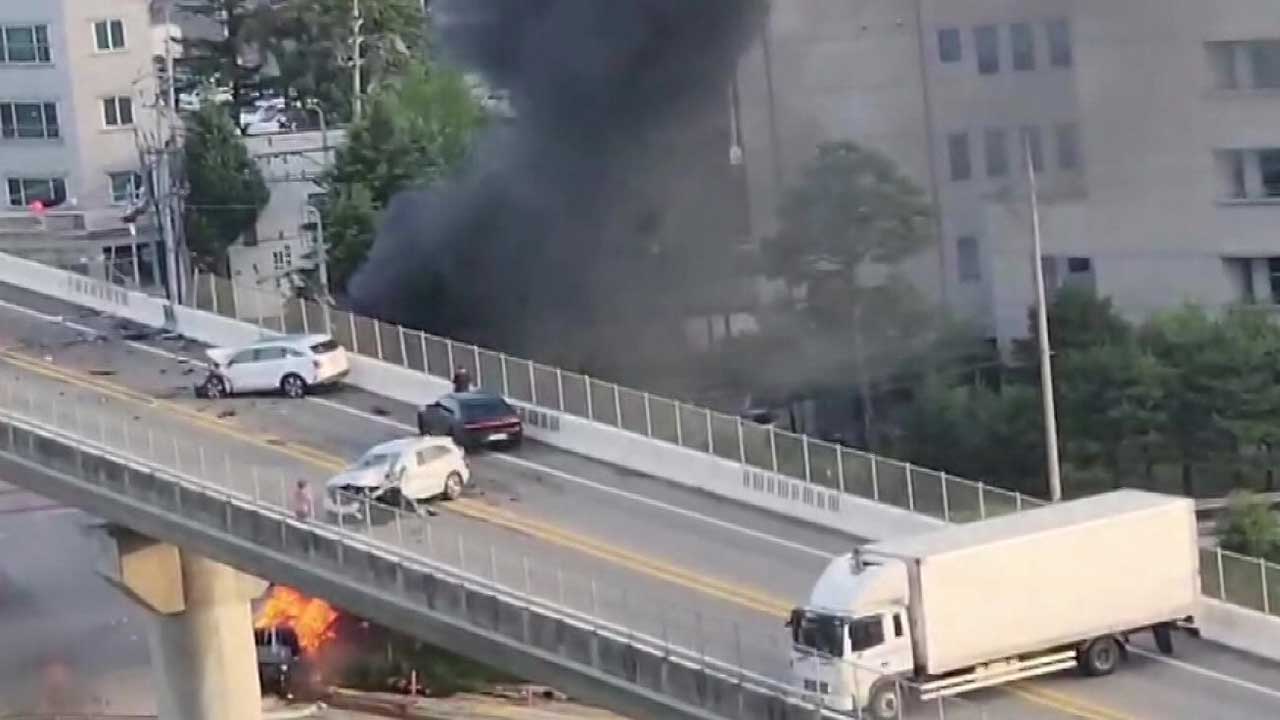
(600, 204)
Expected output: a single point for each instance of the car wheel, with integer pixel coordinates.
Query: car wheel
(453, 486)
(215, 388)
(293, 386)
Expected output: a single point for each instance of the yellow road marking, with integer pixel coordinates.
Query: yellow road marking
(481, 511)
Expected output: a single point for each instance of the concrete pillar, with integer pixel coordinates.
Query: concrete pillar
(200, 630)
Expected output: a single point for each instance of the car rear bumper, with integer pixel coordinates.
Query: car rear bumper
(494, 436)
(332, 378)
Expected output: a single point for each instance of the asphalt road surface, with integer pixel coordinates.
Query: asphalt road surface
(705, 572)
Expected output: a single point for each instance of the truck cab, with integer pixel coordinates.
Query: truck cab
(852, 640)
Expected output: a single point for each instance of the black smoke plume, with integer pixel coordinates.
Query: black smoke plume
(601, 205)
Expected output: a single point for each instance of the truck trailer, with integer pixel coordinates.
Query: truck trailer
(976, 605)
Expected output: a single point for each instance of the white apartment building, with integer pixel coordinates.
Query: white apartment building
(279, 254)
(76, 91)
(1154, 126)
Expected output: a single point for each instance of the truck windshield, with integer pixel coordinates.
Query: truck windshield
(823, 633)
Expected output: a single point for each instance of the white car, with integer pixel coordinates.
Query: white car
(290, 364)
(399, 472)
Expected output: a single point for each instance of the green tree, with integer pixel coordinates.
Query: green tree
(415, 133)
(850, 218)
(311, 46)
(1078, 319)
(1249, 527)
(225, 189)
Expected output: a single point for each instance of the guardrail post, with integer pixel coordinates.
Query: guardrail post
(773, 446)
(1222, 581)
(1266, 596)
(911, 493)
(213, 292)
(302, 310)
(475, 358)
(533, 383)
(448, 348)
(404, 347)
(875, 478)
(426, 359)
(586, 383)
(506, 385)
(804, 452)
(617, 405)
(399, 526)
(648, 416)
(946, 502)
(711, 442)
(840, 467)
(1017, 500)
(377, 338)
(355, 339)
(560, 388)
(982, 500)
(742, 444)
(679, 430)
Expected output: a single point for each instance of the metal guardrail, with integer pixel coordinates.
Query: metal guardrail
(904, 485)
(165, 472)
(1240, 580)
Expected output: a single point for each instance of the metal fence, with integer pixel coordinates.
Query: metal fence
(217, 488)
(1240, 580)
(767, 448)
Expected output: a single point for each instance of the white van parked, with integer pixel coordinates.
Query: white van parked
(399, 472)
(290, 364)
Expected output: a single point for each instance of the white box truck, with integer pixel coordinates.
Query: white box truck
(976, 605)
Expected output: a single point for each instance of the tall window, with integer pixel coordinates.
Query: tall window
(117, 111)
(28, 121)
(949, 45)
(1273, 273)
(24, 191)
(958, 154)
(1067, 137)
(1024, 46)
(108, 35)
(986, 38)
(1030, 134)
(24, 44)
(996, 147)
(968, 263)
(126, 187)
(1059, 32)
(1269, 168)
(1265, 59)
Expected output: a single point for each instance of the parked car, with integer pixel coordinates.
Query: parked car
(413, 469)
(291, 364)
(472, 419)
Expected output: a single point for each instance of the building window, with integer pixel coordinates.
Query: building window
(1273, 273)
(1030, 135)
(1059, 32)
(949, 45)
(1067, 138)
(117, 111)
(1269, 169)
(1024, 46)
(108, 35)
(126, 188)
(28, 120)
(24, 191)
(1264, 57)
(282, 259)
(996, 147)
(25, 44)
(1237, 190)
(967, 261)
(958, 153)
(987, 41)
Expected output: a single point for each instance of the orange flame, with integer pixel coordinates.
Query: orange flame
(311, 618)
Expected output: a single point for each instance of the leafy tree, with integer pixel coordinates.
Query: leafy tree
(1078, 319)
(226, 191)
(235, 59)
(1249, 527)
(850, 217)
(311, 46)
(415, 133)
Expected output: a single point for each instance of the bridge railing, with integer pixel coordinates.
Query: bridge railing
(256, 502)
(1240, 580)
(904, 485)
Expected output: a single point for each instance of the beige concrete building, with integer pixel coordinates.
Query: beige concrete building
(77, 104)
(1154, 124)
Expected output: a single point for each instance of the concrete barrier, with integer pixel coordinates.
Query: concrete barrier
(1239, 627)
(80, 290)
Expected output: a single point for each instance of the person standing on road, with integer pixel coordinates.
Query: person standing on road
(461, 380)
(303, 508)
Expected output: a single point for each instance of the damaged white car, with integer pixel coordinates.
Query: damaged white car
(401, 472)
(291, 365)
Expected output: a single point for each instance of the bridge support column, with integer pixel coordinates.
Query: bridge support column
(200, 629)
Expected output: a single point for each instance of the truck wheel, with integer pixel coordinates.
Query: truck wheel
(1099, 656)
(886, 701)
(1163, 634)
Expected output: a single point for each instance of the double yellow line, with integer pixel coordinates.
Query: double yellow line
(477, 510)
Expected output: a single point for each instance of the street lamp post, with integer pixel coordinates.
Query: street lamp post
(1042, 332)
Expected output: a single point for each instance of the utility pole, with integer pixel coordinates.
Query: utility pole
(356, 23)
(165, 179)
(1042, 331)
